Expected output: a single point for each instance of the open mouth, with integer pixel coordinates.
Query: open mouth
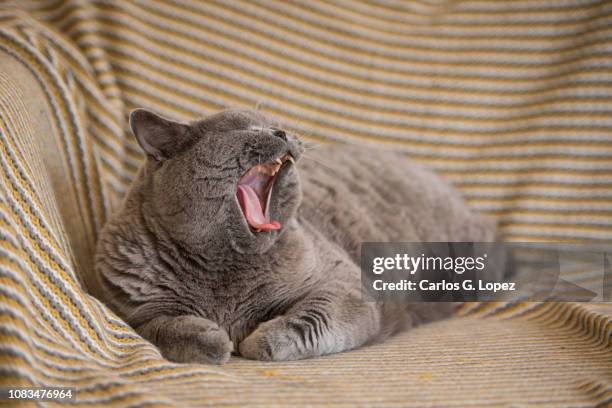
(254, 190)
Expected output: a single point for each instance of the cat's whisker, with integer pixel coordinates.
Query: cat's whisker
(309, 145)
(320, 163)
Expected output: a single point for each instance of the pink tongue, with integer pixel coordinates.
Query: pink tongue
(247, 197)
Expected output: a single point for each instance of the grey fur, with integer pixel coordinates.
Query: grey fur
(180, 264)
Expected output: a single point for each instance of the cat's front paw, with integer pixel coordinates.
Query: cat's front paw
(271, 341)
(196, 340)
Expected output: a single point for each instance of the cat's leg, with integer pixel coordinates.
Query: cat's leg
(322, 323)
(188, 339)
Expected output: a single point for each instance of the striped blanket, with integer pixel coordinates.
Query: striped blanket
(511, 101)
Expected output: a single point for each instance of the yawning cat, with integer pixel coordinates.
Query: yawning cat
(233, 238)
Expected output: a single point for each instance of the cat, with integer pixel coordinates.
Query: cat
(235, 238)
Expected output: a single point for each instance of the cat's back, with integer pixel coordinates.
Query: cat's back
(355, 194)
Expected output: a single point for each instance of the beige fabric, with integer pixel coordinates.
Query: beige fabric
(508, 100)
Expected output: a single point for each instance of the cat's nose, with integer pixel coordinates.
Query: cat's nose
(280, 133)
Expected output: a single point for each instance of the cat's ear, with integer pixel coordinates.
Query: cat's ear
(159, 137)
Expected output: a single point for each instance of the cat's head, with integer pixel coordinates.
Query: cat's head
(229, 179)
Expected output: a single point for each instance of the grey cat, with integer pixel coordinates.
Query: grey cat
(232, 238)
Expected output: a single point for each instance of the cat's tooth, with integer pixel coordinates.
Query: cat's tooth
(290, 158)
(278, 161)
